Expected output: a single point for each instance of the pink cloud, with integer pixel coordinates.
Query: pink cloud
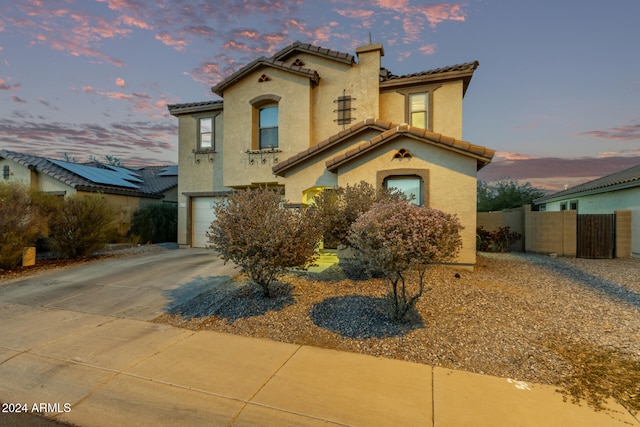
(6, 86)
(120, 82)
(621, 133)
(355, 13)
(17, 99)
(428, 49)
(554, 169)
(167, 39)
(133, 22)
(438, 13)
(125, 140)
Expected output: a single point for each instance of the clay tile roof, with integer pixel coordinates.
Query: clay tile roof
(327, 143)
(193, 107)
(296, 47)
(467, 66)
(264, 62)
(458, 71)
(626, 178)
(388, 132)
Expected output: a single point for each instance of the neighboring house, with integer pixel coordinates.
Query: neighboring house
(127, 189)
(617, 191)
(310, 118)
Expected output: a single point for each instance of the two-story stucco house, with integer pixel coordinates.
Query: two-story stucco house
(309, 118)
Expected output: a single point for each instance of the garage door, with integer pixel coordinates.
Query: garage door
(202, 208)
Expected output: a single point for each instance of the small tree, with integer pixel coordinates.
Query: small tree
(506, 193)
(400, 239)
(82, 226)
(22, 222)
(256, 231)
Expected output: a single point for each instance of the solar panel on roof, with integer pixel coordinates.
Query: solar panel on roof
(169, 171)
(125, 173)
(96, 175)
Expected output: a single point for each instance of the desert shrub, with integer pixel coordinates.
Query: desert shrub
(338, 208)
(155, 223)
(264, 237)
(497, 240)
(81, 226)
(402, 240)
(22, 222)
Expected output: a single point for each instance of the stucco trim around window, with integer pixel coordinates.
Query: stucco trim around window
(423, 174)
(260, 103)
(261, 100)
(428, 90)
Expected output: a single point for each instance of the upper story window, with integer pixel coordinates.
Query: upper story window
(419, 110)
(418, 105)
(207, 132)
(268, 127)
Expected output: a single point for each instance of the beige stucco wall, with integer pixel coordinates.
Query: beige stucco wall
(451, 185)
(34, 180)
(293, 124)
(198, 173)
(315, 174)
(446, 105)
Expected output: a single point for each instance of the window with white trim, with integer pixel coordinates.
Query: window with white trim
(419, 110)
(207, 132)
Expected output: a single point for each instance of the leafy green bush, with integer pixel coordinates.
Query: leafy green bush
(81, 226)
(22, 222)
(402, 240)
(256, 231)
(155, 223)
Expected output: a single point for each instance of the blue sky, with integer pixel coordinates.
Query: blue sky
(557, 93)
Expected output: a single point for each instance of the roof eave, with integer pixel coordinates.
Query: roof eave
(572, 195)
(333, 166)
(179, 109)
(219, 89)
(427, 78)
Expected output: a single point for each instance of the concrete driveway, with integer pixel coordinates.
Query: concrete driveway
(138, 287)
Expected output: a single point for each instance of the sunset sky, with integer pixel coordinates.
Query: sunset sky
(557, 93)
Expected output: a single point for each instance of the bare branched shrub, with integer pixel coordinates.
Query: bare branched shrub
(340, 207)
(264, 237)
(402, 240)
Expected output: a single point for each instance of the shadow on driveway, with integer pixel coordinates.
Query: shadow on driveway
(231, 300)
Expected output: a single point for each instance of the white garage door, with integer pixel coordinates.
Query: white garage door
(202, 218)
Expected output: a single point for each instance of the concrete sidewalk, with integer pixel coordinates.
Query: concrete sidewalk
(95, 370)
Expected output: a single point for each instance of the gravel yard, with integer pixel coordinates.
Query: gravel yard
(515, 316)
